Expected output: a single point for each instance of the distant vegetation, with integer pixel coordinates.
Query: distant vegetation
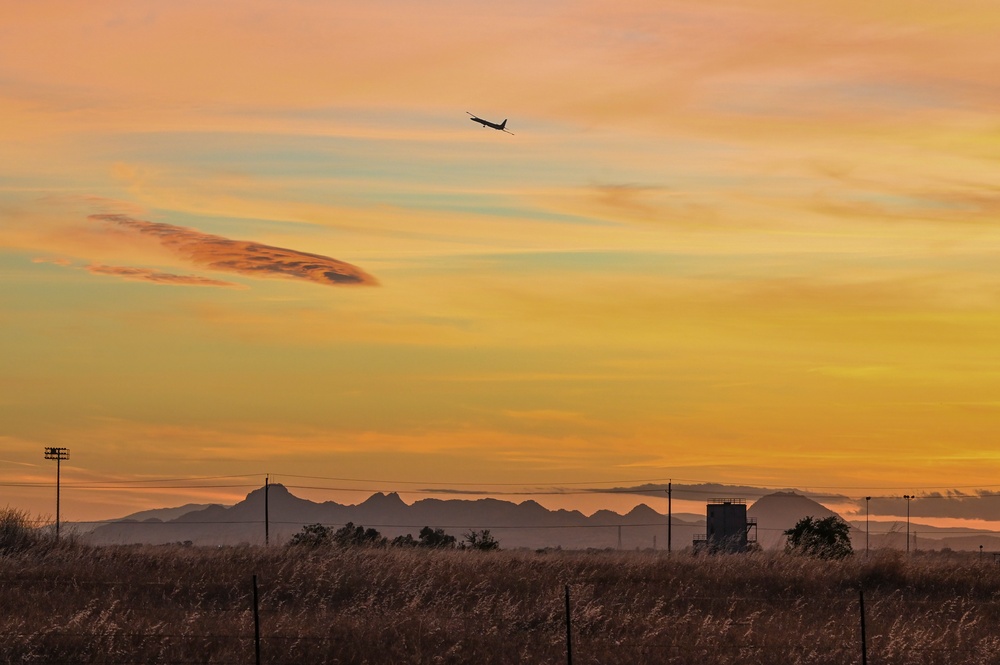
(481, 540)
(68, 602)
(349, 535)
(317, 535)
(826, 538)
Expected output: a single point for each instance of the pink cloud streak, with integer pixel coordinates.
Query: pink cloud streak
(242, 256)
(147, 275)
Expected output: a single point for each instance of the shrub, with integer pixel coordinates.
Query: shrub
(16, 532)
(315, 535)
(435, 538)
(404, 541)
(357, 536)
(827, 538)
(312, 535)
(481, 540)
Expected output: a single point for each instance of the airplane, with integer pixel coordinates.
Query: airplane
(486, 123)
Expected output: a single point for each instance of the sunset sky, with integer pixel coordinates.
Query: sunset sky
(746, 243)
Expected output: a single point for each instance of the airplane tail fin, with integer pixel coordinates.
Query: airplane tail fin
(503, 125)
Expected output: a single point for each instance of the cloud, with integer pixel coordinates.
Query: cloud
(705, 491)
(53, 261)
(242, 256)
(978, 504)
(147, 275)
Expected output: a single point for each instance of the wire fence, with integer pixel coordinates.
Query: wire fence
(92, 620)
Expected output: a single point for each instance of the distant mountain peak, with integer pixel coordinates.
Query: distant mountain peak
(779, 511)
(381, 500)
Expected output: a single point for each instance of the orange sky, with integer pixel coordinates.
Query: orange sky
(744, 242)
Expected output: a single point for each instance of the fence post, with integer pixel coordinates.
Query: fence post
(256, 622)
(569, 632)
(864, 641)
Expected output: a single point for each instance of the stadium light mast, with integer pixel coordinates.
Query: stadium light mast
(58, 454)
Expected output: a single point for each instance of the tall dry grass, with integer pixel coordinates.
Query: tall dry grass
(18, 531)
(73, 603)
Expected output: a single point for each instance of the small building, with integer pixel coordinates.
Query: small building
(727, 527)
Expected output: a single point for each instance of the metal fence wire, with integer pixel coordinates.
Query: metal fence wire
(109, 621)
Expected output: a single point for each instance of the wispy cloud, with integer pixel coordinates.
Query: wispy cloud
(242, 256)
(147, 275)
(53, 261)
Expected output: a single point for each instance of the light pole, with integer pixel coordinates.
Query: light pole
(867, 515)
(58, 454)
(670, 515)
(908, 498)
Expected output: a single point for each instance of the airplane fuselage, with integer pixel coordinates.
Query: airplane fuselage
(502, 126)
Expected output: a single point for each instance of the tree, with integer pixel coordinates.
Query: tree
(357, 536)
(827, 538)
(312, 535)
(435, 538)
(315, 535)
(404, 541)
(481, 540)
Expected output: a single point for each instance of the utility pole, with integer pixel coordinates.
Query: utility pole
(864, 640)
(867, 529)
(58, 454)
(267, 521)
(569, 631)
(908, 497)
(670, 514)
(256, 622)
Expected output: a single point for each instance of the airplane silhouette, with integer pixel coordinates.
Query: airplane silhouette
(486, 123)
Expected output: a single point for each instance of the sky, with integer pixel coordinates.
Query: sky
(748, 243)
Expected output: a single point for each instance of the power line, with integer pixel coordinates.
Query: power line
(479, 484)
(171, 480)
(537, 489)
(120, 487)
(634, 480)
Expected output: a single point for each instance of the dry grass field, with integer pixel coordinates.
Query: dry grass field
(71, 603)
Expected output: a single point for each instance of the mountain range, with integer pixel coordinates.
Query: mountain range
(515, 525)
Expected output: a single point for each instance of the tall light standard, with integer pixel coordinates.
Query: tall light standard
(670, 514)
(58, 454)
(867, 515)
(908, 498)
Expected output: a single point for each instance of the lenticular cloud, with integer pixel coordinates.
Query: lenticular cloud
(244, 257)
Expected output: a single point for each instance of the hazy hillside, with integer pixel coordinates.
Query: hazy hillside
(526, 524)
(780, 511)
(516, 525)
